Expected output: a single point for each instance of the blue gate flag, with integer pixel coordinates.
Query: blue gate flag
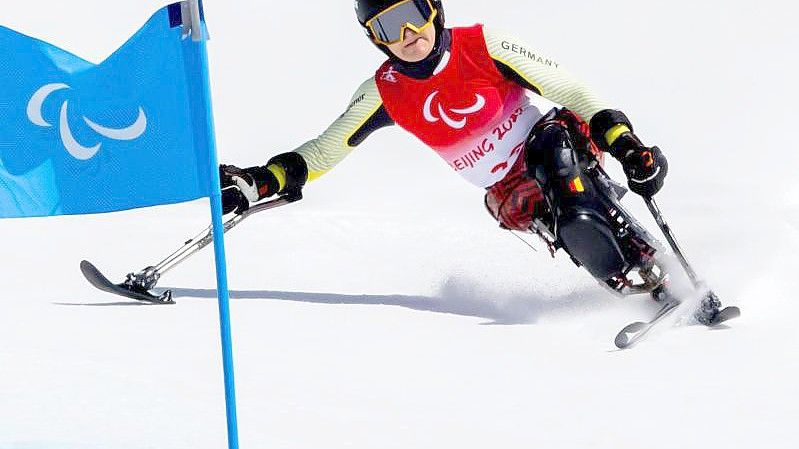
(136, 130)
(77, 137)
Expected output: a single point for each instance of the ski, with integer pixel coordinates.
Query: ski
(707, 314)
(125, 289)
(710, 312)
(635, 332)
(723, 315)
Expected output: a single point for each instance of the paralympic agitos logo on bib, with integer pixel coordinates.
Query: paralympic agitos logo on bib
(460, 115)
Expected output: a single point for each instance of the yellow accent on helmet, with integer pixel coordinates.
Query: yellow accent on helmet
(407, 26)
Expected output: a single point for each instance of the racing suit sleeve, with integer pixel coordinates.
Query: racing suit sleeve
(543, 75)
(364, 115)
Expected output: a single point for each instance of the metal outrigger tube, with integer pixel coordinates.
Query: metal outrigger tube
(675, 247)
(710, 307)
(147, 278)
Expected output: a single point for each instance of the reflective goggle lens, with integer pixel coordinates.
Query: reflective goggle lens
(389, 26)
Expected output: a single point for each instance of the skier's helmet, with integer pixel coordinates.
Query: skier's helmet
(385, 21)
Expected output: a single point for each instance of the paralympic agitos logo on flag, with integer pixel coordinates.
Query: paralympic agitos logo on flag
(73, 147)
(80, 137)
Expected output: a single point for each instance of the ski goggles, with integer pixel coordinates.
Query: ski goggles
(389, 26)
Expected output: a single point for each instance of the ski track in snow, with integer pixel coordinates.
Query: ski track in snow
(431, 350)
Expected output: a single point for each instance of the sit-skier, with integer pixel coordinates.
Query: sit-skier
(506, 118)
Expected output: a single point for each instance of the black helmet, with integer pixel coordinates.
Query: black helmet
(367, 9)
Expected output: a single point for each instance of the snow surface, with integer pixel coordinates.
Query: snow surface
(387, 310)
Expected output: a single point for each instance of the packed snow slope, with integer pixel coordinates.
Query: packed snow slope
(387, 309)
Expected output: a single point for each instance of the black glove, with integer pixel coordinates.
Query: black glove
(242, 186)
(646, 168)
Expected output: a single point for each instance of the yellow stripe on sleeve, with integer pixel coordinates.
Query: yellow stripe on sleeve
(314, 175)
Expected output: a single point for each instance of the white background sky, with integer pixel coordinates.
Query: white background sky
(710, 82)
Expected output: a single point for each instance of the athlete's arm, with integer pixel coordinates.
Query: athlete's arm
(543, 75)
(364, 115)
(645, 167)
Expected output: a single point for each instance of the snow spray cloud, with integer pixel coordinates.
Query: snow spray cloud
(505, 304)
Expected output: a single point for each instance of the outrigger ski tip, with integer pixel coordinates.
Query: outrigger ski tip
(710, 312)
(726, 314)
(723, 315)
(126, 289)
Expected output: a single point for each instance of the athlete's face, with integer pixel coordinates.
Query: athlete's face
(415, 46)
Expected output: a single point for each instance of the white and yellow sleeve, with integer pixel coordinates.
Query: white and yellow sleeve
(544, 74)
(364, 114)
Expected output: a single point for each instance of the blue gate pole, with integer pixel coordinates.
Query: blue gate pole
(218, 234)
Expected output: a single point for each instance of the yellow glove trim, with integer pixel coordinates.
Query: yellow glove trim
(280, 175)
(615, 132)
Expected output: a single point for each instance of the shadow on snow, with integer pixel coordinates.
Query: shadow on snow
(499, 309)
(455, 297)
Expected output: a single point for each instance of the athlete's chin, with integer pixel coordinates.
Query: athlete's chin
(415, 53)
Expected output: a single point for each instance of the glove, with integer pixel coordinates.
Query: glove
(242, 186)
(646, 168)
